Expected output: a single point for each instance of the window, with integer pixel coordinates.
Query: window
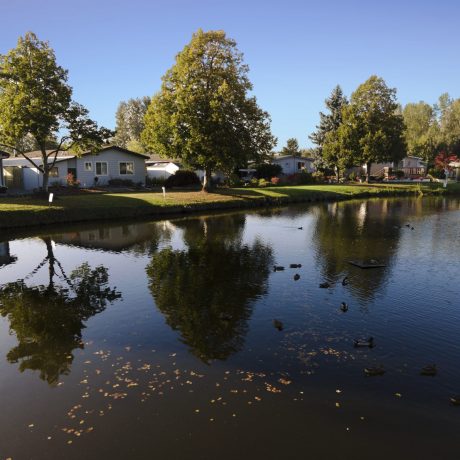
(88, 166)
(101, 168)
(300, 165)
(126, 167)
(54, 172)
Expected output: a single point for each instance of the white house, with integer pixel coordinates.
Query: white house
(411, 166)
(3, 156)
(292, 164)
(89, 168)
(161, 168)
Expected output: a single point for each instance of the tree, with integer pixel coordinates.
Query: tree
(291, 148)
(372, 130)
(422, 130)
(203, 113)
(130, 123)
(206, 290)
(443, 161)
(329, 123)
(48, 319)
(450, 127)
(35, 100)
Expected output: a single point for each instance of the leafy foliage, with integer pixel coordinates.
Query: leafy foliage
(130, 123)
(36, 103)
(268, 170)
(182, 178)
(203, 113)
(291, 147)
(372, 130)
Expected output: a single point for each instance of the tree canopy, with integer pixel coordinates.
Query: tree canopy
(291, 147)
(130, 123)
(204, 113)
(36, 101)
(372, 130)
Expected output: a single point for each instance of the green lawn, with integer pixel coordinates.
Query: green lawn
(26, 211)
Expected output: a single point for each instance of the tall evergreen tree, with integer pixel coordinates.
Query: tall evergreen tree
(326, 131)
(291, 147)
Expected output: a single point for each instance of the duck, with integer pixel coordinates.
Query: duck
(278, 324)
(412, 228)
(408, 225)
(429, 370)
(324, 285)
(345, 281)
(455, 400)
(295, 266)
(371, 371)
(344, 307)
(296, 277)
(299, 228)
(364, 342)
(278, 268)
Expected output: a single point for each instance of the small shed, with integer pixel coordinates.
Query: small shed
(292, 164)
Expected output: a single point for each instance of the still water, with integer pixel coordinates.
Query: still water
(157, 339)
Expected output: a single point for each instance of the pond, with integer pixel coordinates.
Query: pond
(179, 339)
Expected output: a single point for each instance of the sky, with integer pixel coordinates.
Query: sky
(297, 51)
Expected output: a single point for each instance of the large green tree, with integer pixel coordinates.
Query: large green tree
(372, 130)
(422, 130)
(36, 101)
(326, 133)
(130, 123)
(204, 113)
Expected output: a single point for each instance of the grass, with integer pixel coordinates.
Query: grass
(27, 211)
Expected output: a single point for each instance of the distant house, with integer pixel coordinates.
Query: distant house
(3, 156)
(89, 168)
(292, 164)
(161, 168)
(412, 167)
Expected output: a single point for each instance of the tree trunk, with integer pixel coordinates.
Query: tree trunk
(207, 180)
(368, 171)
(337, 173)
(46, 171)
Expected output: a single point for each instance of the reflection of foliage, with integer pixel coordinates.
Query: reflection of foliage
(358, 231)
(205, 291)
(48, 321)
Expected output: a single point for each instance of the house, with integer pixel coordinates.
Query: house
(88, 168)
(412, 167)
(161, 168)
(292, 164)
(3, 156)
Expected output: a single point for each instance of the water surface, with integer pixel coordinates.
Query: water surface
(156, 339)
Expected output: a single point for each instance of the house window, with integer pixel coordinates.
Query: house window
(101, 168)
(54, 172)
(300, 165)
(88, 166)
(126, 167)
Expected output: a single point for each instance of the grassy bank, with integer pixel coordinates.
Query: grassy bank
(29, 211)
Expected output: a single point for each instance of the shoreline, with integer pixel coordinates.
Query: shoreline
(29, 212)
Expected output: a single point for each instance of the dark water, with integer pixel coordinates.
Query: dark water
(156, 340)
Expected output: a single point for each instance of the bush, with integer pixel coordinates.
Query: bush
(155, 181)
(353, 176)
(71, 181)
(182, 178)
(267, 171)
(275, 180)
(437, 173)
(120, 183)
(234, 180)
(399, 174)
(3, 189)
(318, 176)
(262, 183)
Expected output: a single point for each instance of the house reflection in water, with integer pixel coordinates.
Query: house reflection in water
(116, 238)
(5, 257)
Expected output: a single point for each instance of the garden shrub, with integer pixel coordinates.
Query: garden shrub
(267, 170)
(182, 178)
(120, 182)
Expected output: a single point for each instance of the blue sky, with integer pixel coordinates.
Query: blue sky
(297, 51)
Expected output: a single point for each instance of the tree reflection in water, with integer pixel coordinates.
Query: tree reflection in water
(205, 291)
(48, 320)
